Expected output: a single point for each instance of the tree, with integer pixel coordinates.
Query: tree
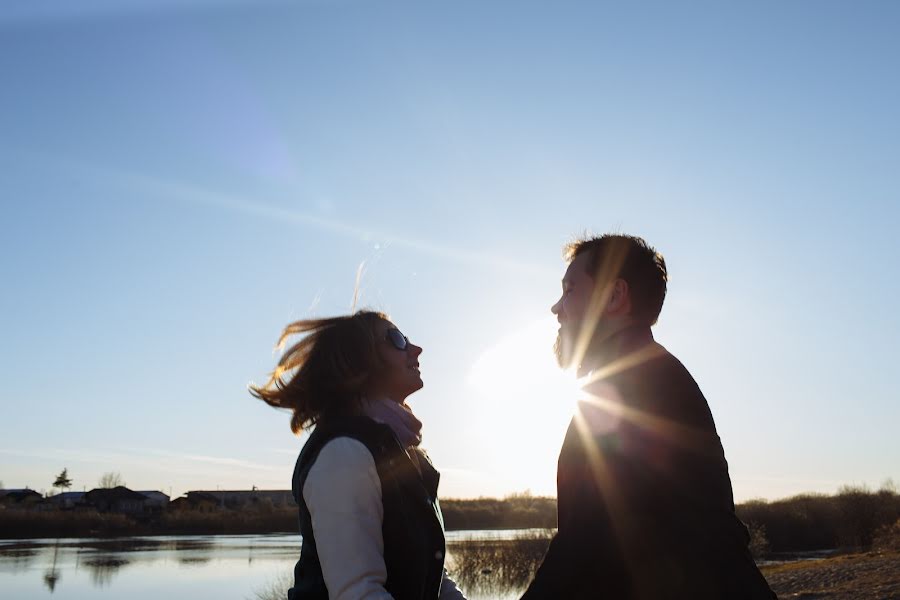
(111, 480)
(62, 480)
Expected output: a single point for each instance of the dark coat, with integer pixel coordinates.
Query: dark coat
(645, 507)
(412, 528)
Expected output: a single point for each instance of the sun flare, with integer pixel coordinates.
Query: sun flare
(526, 402)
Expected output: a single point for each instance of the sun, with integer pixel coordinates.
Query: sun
(526, 402)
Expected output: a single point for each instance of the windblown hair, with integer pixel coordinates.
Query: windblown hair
(327, 371)
(627, 257)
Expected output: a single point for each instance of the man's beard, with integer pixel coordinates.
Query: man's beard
(562, 348)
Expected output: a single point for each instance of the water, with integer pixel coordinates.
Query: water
(147, 567)
(144, 568)
(493, 534)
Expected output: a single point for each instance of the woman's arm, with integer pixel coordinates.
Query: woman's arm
(343, 495)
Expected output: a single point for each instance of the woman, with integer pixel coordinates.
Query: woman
(369, 515)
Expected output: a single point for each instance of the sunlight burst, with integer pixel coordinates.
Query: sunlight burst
(526, 402)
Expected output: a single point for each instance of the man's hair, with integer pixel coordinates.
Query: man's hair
(630, 258)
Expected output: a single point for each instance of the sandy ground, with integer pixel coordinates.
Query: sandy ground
(868, 576)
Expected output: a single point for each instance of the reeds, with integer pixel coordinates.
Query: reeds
(497, 567)
(276, 588)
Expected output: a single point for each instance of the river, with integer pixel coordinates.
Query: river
(197, 567)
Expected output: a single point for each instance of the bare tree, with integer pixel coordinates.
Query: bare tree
(111, 480)
(62, 480)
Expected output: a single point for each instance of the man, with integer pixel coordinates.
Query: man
(645, 506)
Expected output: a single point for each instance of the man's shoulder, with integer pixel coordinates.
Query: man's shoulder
(680, 395)
(664, 369)
(663, 386)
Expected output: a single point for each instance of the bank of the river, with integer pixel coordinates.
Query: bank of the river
(494, 566)
(25, 524)
(490, 565)
(864, 576)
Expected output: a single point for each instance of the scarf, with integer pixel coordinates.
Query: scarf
(398, 416)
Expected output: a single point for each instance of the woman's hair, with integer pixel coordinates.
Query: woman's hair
(327, 371)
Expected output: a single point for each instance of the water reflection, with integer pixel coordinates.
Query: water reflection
(252, 566)
(51, 577)
(192, 544)
(16, 559)
(104, 568)
(163, 544)
(484, 569)
(194, 561)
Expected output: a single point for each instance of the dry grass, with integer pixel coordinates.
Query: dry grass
(276, 588)
(867, 576)
(497, 567)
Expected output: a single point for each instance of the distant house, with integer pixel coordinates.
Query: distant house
(19, 498)
(66, 500)
(156, 501)
(242, 499)
(195, 501)
(118, 499)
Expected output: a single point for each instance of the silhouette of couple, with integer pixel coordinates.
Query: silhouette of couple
(645, 506)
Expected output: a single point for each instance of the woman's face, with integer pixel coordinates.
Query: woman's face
(400, 375)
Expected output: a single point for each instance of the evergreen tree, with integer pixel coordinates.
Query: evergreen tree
(62, 480)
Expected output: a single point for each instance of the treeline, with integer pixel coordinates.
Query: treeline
(35, 524)
(519, 511)
(854, 518)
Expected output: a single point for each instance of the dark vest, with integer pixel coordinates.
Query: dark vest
(412, 528)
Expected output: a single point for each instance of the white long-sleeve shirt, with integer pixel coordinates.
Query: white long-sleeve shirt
(343, 494)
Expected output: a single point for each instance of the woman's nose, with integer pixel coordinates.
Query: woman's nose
(416, 350)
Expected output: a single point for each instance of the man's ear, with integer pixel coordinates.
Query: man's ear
(619, 298)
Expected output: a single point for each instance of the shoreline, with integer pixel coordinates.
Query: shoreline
(855, 576)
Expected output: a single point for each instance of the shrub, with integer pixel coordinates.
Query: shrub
(848, 519)
(759, 543)
(513, 512)
(887, 537)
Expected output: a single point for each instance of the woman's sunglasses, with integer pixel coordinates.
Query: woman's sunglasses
(397, 339)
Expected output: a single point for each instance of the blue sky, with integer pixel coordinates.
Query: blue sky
(181, 179)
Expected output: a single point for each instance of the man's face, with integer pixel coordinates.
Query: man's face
(572, 308)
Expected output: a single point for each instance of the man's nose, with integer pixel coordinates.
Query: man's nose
(416, 350)
(555, 308)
